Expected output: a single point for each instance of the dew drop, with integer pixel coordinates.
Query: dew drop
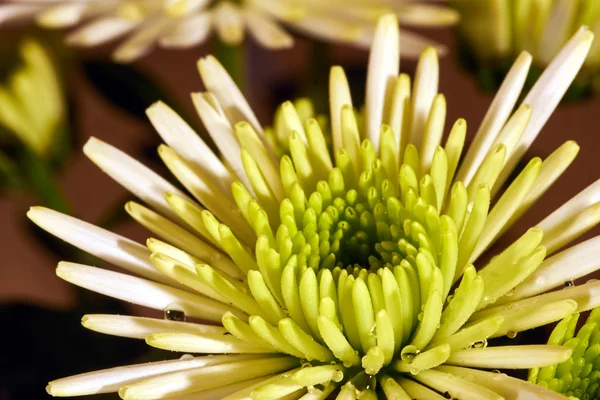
(186, 357)
(511, 292)
(420, 316)
(482, 344)
(511, 334)
(175, 315)
(447, 395)
(449, 298)
(337, 376)
(569, 283)
(414, 371)
(496, 371)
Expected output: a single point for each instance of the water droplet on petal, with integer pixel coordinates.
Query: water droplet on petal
(511, 334)
(569, 283)
(511, 292)
(482, 344)
(186, 357)
(175, 315)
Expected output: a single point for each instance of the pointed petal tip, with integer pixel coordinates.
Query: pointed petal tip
(33, 212)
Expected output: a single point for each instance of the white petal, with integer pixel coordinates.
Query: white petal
(384, 65)
(429, 15)
(510, 357)
(142, 41)
(100, 31)
(570, 264)
(221, 391)
(218, 82)
(62, 15)
(570, 218)
(424, 90)
(132, 175)
(339, 96)
(182, 138)
(246, 393)
(209, 377)
(140, 327)
(183, 7)
(587, 297)
(495, 118)
(332, 30)
(221, 132)
(110, 380)
(506, 386)
(229, 23)
(266, 31)
(188, 32)
(549, 90)
(203, 343)
(17, 12)
(203, 189)
(141, 291)
(101, 243)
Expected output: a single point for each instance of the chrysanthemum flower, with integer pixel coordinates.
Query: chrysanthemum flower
(579, 376)
(496, 31)
(347, 272)
(186, 23)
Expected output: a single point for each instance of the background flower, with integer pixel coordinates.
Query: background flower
(186, 23)
(493, 32)
(314, 243)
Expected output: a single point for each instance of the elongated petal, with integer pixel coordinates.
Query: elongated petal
(100, 31)
(566, 215)
(132, 175)
(203, 343)
(495, 118)
(219, 83)
(142, 292)
(511, 357)
(549, 90)
(181, 137)
(190, 32)
(504, 385)
(194, 380)
(570, 264)
(383, 69)
(103, 244)
(110, 380)
(140, 327)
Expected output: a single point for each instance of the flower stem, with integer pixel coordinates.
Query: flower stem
(233, 59)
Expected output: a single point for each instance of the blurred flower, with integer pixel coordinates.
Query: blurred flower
(32, 104)
(579, 376)
(330, 270)
(186, 23)
(494, 31)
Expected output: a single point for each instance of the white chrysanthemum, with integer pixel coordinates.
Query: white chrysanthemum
(185, 23)
(313, 272)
